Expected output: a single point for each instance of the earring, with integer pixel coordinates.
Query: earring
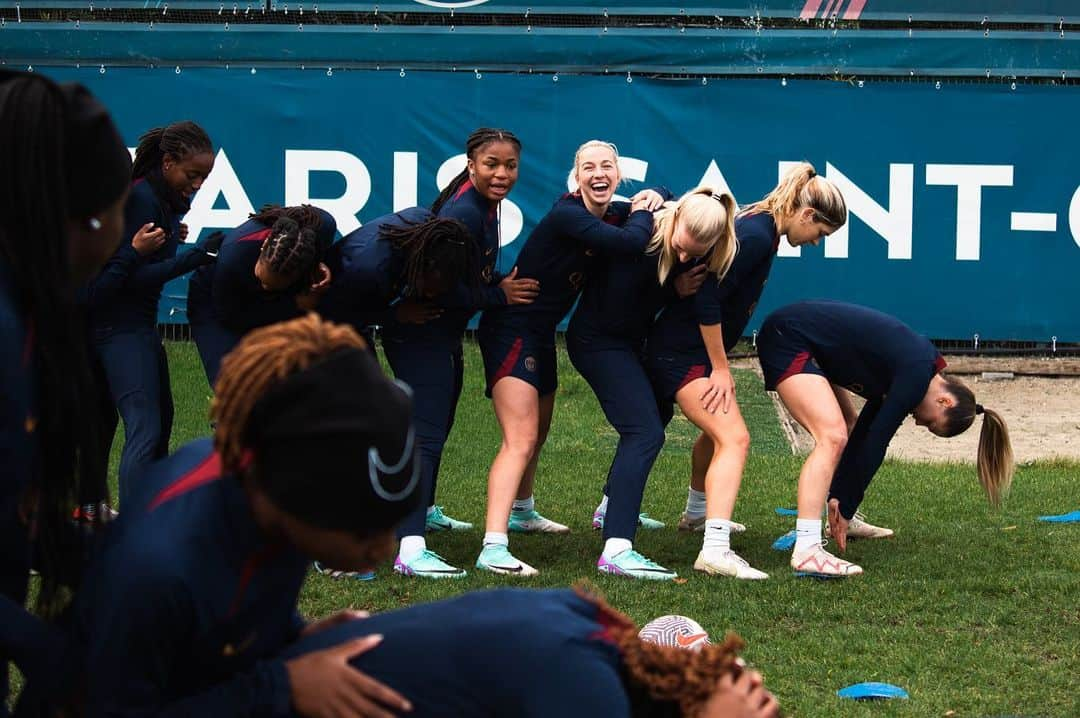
(95, 223)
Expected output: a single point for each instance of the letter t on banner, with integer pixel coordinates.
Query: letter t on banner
(969, 181)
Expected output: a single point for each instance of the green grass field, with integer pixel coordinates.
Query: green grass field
(974, 612)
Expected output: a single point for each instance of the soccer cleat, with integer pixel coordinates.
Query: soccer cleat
(727, 563)
(531, 522)
(819, 563)
(631, 564)
(427, 564)
(688, 523)
(438, 521)
(643, 521)
(335, 574)
(498, 559)
(859, 528)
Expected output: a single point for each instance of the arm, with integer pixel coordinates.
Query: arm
(156, 274)
(874, 429)
(720, 392)
(113, 276)
(239, 300)
(578, 224)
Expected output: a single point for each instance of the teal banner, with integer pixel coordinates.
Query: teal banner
(964, 198)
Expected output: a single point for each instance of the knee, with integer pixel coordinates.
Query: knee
(651, 439)
(833, 440)
(522, 446)
(738, 440)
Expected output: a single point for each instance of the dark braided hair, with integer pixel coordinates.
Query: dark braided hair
(34, 245)
(478, 140)
(438, 245)
(180, 139)
(291, 251)
(305, 215)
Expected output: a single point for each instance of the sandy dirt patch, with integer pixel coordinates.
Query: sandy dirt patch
(1041, 405)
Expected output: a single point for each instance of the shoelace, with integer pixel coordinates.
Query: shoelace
(647, 562)
(738, 559)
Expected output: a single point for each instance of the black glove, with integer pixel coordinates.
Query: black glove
(211, 243)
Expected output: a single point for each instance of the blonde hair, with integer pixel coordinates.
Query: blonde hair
(597, 143)
(709, 217)
(995, 455)
(802, 187)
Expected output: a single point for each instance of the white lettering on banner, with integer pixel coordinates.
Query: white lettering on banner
(511, 218)
(1074, 216)
(223, 181)
(405, 179)
(969, 181)
(714, 178)
(299, 164)
(893, 224)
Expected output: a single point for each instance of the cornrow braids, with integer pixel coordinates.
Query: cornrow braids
(666, 673)
(305, 215)
(291, 250)
(266, 356)
(442, 245)
(180, 139)
(478, 140)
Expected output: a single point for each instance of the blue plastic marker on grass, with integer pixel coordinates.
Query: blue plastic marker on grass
(785, 542)
(872, 691)
(1069, 518)
(780, 511)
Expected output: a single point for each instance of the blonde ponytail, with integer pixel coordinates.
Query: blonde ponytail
(709, 217)
(995, 457)
(801, 187)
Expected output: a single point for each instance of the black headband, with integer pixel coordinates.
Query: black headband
(335, 447)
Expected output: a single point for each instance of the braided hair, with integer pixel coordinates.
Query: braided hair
(34, 207)
(666, 674)
(180, 139)
(478, 140)
(438, 245)
(305, 215)
(291, 251)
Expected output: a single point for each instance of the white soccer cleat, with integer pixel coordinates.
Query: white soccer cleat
(727, 563)
(819, 563)
(859, 528)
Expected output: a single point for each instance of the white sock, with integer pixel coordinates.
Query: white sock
(602, 508)
(615, 546)
(717, 536)
(494, 538)
(807, 534)
(411, 547)
(695, 503)
(430, 510)
(528, 504)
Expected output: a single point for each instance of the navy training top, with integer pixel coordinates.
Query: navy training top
(188, 605)
(228, 292)
(503, 652)
(125, 294)
(730, 302)
(558, 251)
(18, 403)
(875, 356)
(368, 273)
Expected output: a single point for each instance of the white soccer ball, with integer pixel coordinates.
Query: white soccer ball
(676, 631)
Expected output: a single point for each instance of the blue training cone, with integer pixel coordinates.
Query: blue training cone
(780, 511)
(872, 691)
(785, 542)
(1069, 518)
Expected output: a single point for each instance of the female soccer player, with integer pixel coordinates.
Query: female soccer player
(269, 269)
(170, 165)
(811, 352)
(688, 345)
(428, 356)
(194, 595)
(584, 659)
(606, 341)
(64, 175)
(517, 341)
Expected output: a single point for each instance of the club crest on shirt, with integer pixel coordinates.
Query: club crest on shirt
(486, 273)
(530, 363)
(577, 280)
(234, 649)
(30, 424)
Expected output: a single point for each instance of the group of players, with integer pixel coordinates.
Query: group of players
(190, 600)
